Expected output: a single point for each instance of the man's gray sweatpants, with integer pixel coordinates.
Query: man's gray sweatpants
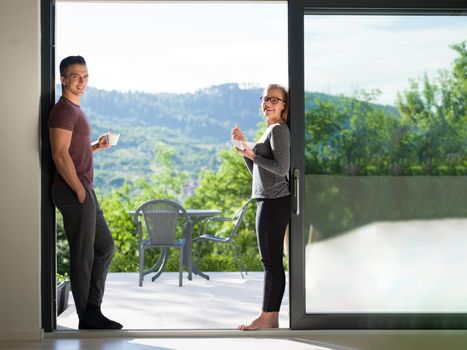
(91, 245)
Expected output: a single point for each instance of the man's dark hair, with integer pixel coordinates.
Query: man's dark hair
(68, 61)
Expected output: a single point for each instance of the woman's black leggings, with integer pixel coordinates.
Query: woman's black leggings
(272, 217)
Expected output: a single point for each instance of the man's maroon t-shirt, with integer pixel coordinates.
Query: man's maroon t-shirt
(66, 115)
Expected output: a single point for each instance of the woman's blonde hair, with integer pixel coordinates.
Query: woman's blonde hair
(285, 96)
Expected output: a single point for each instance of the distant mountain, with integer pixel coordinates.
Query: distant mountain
(208, 114)
(196, 126)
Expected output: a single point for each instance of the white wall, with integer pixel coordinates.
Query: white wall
(20, 170)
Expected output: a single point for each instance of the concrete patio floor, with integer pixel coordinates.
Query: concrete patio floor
(223, 302)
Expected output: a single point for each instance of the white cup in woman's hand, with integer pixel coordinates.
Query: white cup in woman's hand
(238, 144)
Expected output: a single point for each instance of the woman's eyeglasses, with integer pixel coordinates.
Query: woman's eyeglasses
(273, 100)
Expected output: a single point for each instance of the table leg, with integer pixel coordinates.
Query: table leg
(187, 252)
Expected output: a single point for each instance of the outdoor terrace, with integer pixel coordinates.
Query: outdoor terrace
(223, 302)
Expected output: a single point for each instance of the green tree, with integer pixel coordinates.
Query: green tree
(227, 189)
(348, 136)
(355, 136)
(435, 112)
(165, 183)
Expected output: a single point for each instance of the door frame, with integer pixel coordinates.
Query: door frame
(48, 217)
(48, 225)
(299, 319)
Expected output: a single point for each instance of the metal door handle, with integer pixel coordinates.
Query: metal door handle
(296, 190)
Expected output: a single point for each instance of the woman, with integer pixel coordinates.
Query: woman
(269, 163)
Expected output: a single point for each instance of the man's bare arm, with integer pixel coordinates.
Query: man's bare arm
(60, 140)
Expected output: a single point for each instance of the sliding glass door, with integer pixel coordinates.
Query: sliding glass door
(378, 122)
(380, 167)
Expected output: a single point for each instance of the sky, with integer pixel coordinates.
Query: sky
(348, 53)
(182, 47)
(161, 47)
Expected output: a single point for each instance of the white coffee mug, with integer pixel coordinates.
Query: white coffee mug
(112, 138)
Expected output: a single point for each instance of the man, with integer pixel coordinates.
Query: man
(91, 243)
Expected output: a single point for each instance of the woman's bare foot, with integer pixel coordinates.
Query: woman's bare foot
(264, 320)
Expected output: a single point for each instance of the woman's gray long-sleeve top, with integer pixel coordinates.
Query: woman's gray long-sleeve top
(270, 168)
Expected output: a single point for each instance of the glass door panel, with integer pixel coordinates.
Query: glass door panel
(385, 208)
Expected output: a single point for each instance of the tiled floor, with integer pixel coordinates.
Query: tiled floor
(261, 340)
(168, 344)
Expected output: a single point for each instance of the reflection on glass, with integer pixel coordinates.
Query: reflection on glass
(386, 164)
